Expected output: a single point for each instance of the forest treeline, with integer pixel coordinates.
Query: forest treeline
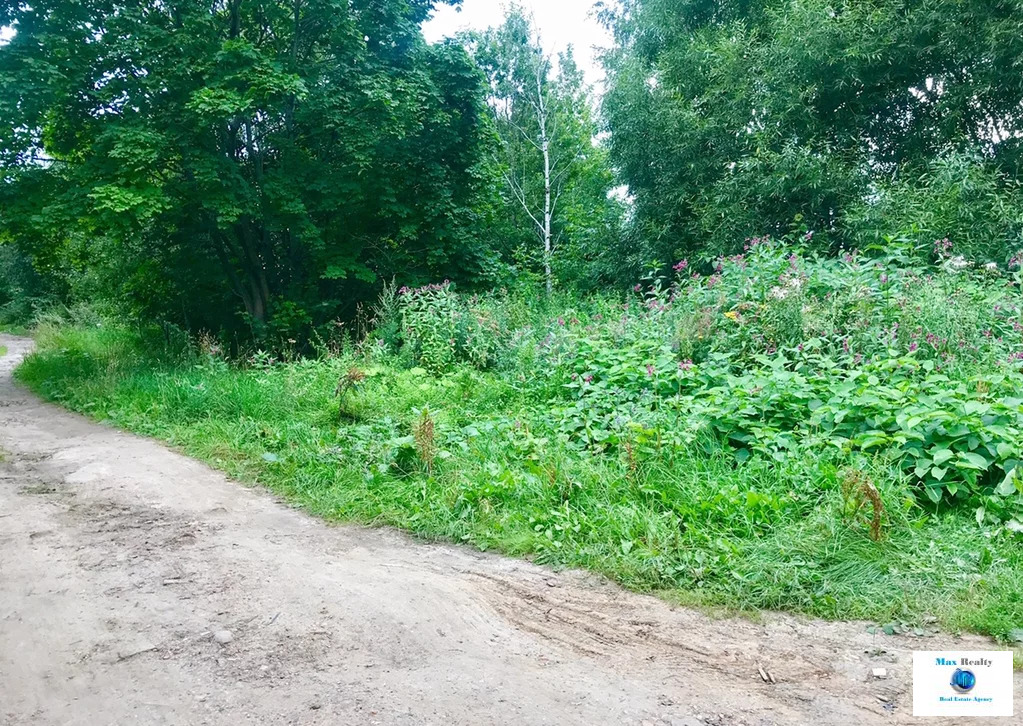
(264, 167)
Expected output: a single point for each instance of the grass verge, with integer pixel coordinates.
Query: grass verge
(466, 457)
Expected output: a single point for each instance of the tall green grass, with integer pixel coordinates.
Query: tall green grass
(687, 523)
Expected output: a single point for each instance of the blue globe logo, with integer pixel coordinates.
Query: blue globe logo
(963, 680)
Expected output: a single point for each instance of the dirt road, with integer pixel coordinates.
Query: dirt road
(122, 564)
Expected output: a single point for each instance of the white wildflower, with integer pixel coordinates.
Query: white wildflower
(958, 263)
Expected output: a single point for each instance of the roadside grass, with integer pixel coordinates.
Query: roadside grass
(688, 525)
(3, 350)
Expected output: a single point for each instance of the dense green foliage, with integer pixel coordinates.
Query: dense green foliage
(263, 168)
(778, 354)
(288, 153)
(729, 119)
(253, 166)
(23, 291)
(789, 432)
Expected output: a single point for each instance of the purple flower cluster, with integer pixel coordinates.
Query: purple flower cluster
(756, 242)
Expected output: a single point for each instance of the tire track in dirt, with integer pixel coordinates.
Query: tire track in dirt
(120, 560)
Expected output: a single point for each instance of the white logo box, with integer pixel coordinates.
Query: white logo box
(935, 695)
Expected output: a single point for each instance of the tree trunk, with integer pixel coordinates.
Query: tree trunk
(254, 295)
(545, 146)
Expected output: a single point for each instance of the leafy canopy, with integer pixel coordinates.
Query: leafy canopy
(195, 160)
(729, 119)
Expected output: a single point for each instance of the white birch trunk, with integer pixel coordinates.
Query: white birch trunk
(545, 146)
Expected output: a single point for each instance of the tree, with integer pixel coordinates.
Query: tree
(731, 119)
(284, 153)
(556, 178)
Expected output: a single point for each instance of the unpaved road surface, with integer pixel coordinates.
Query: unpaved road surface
(120, 560)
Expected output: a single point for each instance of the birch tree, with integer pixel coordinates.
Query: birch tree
(515, 139)
(543, 120)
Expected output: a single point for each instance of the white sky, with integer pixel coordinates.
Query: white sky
(561, 23)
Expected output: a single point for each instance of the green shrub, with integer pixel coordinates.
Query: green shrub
(440, 328)
(430, 318)
(775, 353)
(960, 197)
